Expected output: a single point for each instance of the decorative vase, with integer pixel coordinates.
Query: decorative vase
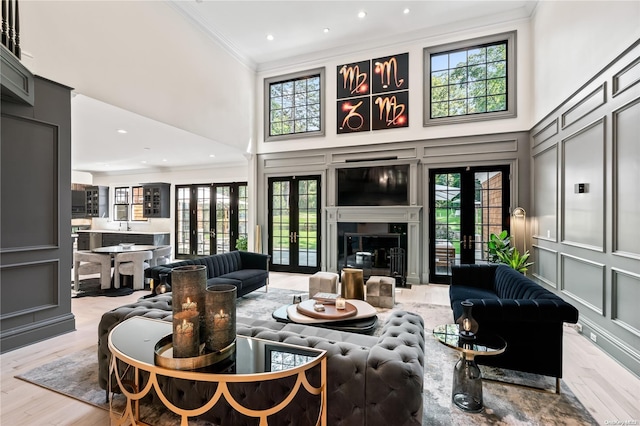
(220, 317)
(187, 297)
(467, 325)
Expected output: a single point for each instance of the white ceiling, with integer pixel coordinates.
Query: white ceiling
(242, 27)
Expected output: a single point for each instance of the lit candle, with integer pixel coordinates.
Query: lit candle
(189, 305)
(186, 336)
(221, 320)
(466, 324)
(341, 303)
(185, 328)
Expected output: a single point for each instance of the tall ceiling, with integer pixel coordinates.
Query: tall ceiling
(241, 27)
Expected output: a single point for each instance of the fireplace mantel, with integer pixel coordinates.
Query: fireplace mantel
(376, 214)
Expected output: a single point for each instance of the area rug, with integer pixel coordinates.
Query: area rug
(76, 376)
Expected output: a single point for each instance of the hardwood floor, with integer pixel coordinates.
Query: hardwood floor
(607, 390)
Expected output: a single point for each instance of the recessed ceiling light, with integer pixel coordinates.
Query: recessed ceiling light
(270, 37)
(164, 160)
(406, 11)
(144, 161)
(123, 131)
(212, 155)
(325, 30)
(362, 14)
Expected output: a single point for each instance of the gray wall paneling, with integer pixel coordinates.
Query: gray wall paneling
(494, 149)
(35, 243)
(592, 138)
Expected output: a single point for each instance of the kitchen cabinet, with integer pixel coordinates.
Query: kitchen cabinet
(157, 197)
(97, 201)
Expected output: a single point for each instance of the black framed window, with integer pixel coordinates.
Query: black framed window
(470, 80)
(294, 105)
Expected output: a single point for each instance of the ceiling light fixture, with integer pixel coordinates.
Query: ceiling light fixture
(212, 155)
(362, 14)
(406, 11)
(270, 37)
(325, 30)
(121, 131)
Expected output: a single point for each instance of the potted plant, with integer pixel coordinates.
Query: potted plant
(241, 243)
(500, 251)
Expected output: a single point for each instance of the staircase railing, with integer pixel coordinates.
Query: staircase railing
(11, 27)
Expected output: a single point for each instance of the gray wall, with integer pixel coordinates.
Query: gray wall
(35, 239)
(586, 244)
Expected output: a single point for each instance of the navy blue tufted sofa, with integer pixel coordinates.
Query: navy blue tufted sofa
(372, 381)
(527, 316)
(246, 270)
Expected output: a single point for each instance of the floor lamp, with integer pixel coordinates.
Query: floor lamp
(521, 213)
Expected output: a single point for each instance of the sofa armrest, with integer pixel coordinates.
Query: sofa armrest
(474, 275)
(251, 260)
(395, 372)
(520, 310)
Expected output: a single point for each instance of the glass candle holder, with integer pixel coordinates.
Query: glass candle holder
(341, 303)
(467, 325)
(220, 317)
(186, 334)
(188, 285)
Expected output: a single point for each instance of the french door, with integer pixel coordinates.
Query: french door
(294, 228)
(467, 205)
(210, 218)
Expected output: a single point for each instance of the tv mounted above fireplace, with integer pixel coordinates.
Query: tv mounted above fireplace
(373, 186)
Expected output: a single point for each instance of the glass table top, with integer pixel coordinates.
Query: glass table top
(136, 338)
(481, 345)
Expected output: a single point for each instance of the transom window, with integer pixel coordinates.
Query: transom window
(472, 80)
(294, 105)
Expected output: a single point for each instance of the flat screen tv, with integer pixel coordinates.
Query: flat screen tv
(373, 186)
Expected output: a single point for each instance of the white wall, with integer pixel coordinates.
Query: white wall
(144, 57)
(415, 131)
(572, 41)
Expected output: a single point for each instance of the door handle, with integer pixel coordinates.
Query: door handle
(293, 237)
(467, 242)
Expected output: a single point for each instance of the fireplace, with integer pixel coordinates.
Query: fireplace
(371, 234)
(374, 248)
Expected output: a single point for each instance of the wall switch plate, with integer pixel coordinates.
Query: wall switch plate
(581, 188)
(594, 337)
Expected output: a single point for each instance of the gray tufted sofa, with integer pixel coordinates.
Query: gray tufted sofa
(371, 380)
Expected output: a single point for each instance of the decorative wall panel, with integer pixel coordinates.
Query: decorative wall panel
(545, 194)
(34, 220)
(590, 103)
(626, 131)
(626, 294)
(583, 164)
(546, 265)
(37, 284)
(583, 281)
(627, 78)
(547, 132)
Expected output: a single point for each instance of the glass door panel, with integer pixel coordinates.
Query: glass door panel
(223, 219)
(294, 237)
(280, 223)
(203, 221)
(183, 221)
(467, 206)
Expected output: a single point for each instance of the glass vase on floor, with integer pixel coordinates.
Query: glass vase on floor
(467, 385)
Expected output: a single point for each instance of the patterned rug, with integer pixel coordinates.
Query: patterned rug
(76, 376)
(90, 287)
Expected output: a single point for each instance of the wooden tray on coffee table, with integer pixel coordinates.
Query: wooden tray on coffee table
(330, 311)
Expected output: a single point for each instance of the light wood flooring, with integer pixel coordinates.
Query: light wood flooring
(608, 391)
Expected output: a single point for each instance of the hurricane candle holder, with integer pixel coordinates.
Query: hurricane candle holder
(467, 325)
(220, 317)
(187, 297)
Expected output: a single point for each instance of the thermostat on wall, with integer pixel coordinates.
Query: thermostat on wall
(581, 188)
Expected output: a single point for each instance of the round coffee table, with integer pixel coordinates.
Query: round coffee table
(467, 378)
(364, 322)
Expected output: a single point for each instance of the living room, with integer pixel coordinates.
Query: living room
(597, 271)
